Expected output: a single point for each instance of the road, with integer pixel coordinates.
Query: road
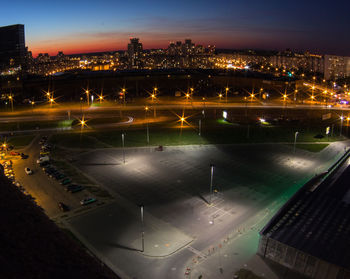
(60, 112)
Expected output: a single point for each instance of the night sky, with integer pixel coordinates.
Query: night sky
(78, 26)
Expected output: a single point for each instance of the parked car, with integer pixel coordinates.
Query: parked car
(15, 153)
(43, 159)
(28, 171)
(66, 181)
(43, 164)
(87, 201)
(24, 156)
(63, 206)
(60, 176)
(74, 188)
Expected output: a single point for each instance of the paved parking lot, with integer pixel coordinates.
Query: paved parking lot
(46, 191)
(173, 185)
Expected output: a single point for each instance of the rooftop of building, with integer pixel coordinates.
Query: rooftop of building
(316, 220)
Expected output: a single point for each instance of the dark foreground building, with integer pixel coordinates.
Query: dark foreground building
(311, 233)
(12, 46)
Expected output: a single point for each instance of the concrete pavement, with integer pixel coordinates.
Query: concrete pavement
(253, 181)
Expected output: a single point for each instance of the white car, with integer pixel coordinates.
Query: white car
(43, 159)
(28, 171)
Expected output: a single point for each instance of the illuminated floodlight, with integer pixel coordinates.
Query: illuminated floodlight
(224, 114)
(262, 120)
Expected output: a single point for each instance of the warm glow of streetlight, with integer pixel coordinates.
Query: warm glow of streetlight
(146, 108)
(82, 122)
(182, 119)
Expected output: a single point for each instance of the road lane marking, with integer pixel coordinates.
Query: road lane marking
(195, 251)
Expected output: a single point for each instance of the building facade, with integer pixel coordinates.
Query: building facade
(135, 52)
(12, 47)
(336, 67)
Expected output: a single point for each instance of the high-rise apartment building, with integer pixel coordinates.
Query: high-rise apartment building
(12, 46)
(135, 51)
(336, 66)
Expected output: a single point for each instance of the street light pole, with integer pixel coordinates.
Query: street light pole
(154, 96)
(87, 97)
(32, 105)
(199, 126)
(124, 95)
(295, 139)
(11, 100)
(142, 231)
(341, 123)
(211, 182)
(147, 133)
(123, 147)
(146, 110)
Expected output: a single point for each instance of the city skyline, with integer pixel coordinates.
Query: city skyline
(82, 27)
